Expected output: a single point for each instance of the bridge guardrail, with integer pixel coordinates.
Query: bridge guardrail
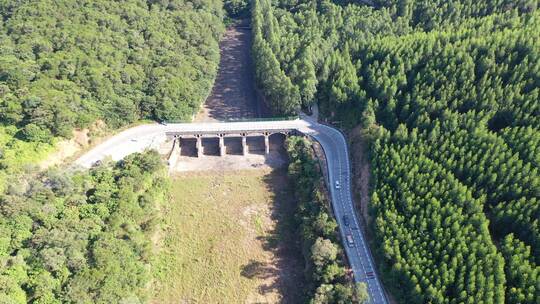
(292, 117)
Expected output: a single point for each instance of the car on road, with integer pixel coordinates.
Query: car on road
(350, 240)
(346, 220)
(338, 186)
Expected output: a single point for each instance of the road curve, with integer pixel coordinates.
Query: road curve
(337, 156)
(335, 148)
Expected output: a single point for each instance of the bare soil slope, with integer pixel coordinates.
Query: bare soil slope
(233, 95)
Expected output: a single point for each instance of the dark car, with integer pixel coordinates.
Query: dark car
(346, 220)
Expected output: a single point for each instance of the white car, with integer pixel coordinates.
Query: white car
(338, 186)
(350, 240)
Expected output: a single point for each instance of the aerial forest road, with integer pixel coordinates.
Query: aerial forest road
(339, 170)
(335, 148)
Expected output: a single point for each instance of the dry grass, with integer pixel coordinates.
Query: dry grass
(224, 240)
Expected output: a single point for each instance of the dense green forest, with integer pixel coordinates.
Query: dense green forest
(66, 64)
(85, 237)
(446, 93)
(326, 275)
(81, 237)
(237, 8)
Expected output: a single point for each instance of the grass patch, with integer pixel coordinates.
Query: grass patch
(218, 243)
(15, 154)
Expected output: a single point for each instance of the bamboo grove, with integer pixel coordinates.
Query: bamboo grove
(447, 95)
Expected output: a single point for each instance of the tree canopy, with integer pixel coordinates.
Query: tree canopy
(66, 64)
(83, 237)
(446, 94)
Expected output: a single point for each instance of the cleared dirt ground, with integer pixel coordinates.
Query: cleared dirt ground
(230, 162)
(362, 172)
(229, 238)
(233, 95)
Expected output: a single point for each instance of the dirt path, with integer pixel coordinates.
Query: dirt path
(233, 95)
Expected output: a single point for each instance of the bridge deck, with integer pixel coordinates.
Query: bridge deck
(242, 132)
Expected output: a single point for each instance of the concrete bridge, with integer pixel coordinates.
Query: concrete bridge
(223, 142)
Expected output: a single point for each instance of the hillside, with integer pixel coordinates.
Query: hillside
(447, 97)
(445, 94)
(86, 236)
(62, 234)
(66, 64)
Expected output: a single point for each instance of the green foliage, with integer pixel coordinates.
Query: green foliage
(16, 154)
(81, 237)
(237, 8)
(522, 272)
(447, 94)
(281, 95)
(434, 236)
(325, 270)
(437, 13)
(525, 141)
(67, 63)
(361, 292)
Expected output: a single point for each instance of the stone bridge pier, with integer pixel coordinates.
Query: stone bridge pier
(244, 145)
(199, 146)
(222, 148)
(266, 143)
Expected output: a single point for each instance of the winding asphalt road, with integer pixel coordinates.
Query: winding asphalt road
(335, 148)
(339, 169)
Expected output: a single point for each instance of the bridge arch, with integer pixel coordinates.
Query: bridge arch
(221, 143)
